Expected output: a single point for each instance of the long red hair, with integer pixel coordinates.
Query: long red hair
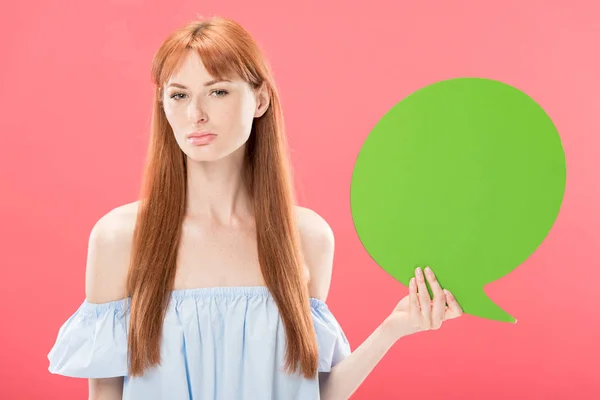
(225, 47)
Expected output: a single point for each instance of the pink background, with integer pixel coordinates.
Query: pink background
(75, 103)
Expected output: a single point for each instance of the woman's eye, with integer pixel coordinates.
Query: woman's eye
(216, 93)
(220, 93)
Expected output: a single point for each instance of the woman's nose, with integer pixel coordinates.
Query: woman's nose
(197, 113)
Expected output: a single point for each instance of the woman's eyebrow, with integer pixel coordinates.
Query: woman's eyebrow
(209, 83)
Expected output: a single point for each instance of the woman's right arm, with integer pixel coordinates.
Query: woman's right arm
(105, 279)
(106, 389)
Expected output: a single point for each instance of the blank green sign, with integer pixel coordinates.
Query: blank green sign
(466, 176)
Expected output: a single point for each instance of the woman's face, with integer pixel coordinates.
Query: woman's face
(210, 119)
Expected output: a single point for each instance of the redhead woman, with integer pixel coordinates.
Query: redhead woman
(214, 284)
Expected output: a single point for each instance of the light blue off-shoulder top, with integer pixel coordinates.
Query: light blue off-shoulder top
(225, 343)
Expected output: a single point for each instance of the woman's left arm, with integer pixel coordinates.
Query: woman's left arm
(345, 377)
(409, 316)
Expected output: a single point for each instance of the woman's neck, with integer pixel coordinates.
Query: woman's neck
(217, 190)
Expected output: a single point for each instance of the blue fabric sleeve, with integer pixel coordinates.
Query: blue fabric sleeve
(92, 343)
(333, 344)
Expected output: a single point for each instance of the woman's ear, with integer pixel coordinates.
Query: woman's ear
(262, 100)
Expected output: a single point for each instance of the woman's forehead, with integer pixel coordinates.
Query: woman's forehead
(192, 69)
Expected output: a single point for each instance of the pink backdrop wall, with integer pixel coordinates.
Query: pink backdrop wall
(75, 109)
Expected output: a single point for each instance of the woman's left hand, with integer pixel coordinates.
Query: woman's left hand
(418, 312)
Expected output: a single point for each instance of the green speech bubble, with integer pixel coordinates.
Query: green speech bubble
(465, 175)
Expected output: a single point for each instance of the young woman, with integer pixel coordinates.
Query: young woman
(213, 285)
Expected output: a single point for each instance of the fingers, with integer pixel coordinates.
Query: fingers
(412, 294)
(453, 310)
(424, 299)
(439, 300)
(431, 313)
(413, 300)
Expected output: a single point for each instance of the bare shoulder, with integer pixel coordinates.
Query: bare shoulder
(108, 254)
(318, 245)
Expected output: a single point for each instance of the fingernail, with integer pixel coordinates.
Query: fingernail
(419, 272)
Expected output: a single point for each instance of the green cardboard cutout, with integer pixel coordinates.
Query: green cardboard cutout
(466, 176)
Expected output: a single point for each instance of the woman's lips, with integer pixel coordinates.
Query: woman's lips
(201, 139)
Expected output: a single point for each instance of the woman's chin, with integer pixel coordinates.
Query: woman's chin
(208, 154)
